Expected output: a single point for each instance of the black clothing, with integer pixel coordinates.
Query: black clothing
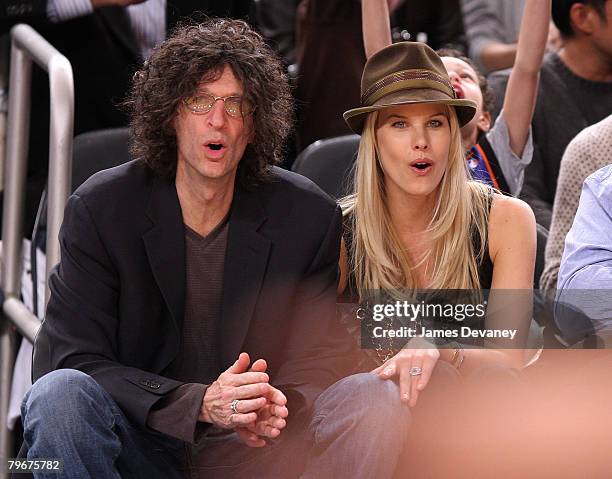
(117, 302)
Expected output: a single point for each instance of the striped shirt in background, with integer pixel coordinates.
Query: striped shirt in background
(148, 19)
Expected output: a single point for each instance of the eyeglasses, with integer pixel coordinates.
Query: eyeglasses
(202, 103)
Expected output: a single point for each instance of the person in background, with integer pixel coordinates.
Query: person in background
(575, 92)
(276, 20)
(587, 153)
(330, 55)
(499, 154)
(492, 28)
(584, 283)
(438, 23)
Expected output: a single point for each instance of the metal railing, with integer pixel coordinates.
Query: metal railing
(27, 46)
(4, 49)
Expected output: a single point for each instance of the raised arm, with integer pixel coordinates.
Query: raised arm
(522, 89)
(375, 25)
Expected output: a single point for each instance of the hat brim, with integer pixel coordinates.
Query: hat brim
(355, 118)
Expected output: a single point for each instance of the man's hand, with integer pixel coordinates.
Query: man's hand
(270, 419)
(414, 365)
(249, 391)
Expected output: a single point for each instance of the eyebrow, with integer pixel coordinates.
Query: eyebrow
(402, 117)
(200, 90)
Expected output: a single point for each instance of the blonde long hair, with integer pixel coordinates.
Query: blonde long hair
(379, 260)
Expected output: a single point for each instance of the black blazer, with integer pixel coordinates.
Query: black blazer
(117, 296)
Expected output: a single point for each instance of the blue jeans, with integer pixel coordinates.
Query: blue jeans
(67, 415)
(358, 428)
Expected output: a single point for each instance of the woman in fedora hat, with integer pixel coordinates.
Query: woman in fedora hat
(416, 220)
(496, 154)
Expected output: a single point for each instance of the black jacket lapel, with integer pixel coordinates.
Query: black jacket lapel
(246, 259)
(165, 246)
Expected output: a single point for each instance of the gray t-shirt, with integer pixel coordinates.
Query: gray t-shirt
(566, 105)
(197, 364)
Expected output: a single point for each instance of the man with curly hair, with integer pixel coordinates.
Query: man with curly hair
(180, 267)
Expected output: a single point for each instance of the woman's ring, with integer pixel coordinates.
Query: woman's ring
(234, 405)
(415, 371)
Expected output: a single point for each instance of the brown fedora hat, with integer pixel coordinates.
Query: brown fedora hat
(402, 74)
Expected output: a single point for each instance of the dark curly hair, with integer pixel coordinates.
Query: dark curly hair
(196, 53)
(488, 96)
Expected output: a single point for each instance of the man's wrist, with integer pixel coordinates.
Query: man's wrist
(204, 413)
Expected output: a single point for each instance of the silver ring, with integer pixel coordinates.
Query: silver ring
(415, 371)
(234, 405)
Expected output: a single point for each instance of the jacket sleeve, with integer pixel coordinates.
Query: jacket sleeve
(317, 346)
(81, 326)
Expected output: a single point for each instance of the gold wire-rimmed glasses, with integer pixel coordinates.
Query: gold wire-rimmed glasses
(235, 106)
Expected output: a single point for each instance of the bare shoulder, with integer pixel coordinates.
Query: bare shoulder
(511, 224)
(506, 209)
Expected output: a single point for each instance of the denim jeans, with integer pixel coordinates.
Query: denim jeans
(357, 429)
(67, 415)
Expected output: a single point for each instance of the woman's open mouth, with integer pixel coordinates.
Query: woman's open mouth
(421, 167)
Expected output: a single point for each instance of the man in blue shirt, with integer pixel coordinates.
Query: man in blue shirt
(585, 275)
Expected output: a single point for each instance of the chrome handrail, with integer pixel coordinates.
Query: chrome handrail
(27, 46)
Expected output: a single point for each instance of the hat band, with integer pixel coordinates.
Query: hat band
(407, 85)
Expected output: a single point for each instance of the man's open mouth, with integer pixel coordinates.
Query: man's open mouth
(215, 146)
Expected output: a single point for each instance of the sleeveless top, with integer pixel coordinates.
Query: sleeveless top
(349, 299)
(485, 266)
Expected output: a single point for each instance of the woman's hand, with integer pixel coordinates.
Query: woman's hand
(414, 365)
